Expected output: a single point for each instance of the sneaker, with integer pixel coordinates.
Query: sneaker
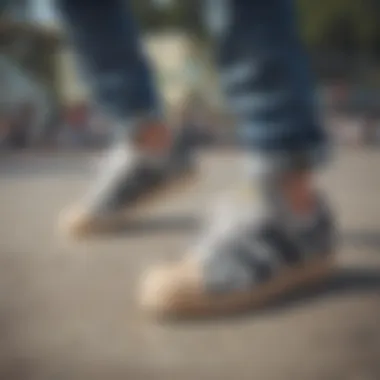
(128, 182)
(250, 254)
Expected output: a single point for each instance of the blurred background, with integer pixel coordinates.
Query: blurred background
(44, 101)
(68, 309)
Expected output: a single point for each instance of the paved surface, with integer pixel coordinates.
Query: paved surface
(67, 310)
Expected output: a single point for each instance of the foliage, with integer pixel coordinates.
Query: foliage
(179, 14)
(338, 25)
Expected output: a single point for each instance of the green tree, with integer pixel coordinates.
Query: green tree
(179, 14)
(336, 24)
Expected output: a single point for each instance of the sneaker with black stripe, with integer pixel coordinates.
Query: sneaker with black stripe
(129, 181)
(251, 254)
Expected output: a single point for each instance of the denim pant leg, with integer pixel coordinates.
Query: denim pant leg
(105, 35)
(267, 81)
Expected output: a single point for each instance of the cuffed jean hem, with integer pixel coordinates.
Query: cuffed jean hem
(260, 162)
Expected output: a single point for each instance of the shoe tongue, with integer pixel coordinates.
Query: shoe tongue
(122, 155)
(232, 212)
(237, 207)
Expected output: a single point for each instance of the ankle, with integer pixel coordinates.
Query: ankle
(153, 138)
(299, 191)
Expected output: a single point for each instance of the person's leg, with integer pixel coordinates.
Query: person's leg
(275, 233)
(141, 162)
(267, 80)
(105, 36)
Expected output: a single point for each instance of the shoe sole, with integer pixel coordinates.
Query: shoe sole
(78, 225)
(197, 303)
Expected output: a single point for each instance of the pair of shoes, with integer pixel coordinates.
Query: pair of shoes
(250, 254)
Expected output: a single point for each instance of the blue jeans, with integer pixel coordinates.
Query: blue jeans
(263, 70)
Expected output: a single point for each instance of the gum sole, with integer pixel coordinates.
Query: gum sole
(191, 301)
(76, 224)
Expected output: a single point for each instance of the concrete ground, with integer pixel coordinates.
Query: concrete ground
(68, 311)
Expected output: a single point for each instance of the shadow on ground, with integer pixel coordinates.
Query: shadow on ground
(170, 224)
(343, 281)
(362, 238)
